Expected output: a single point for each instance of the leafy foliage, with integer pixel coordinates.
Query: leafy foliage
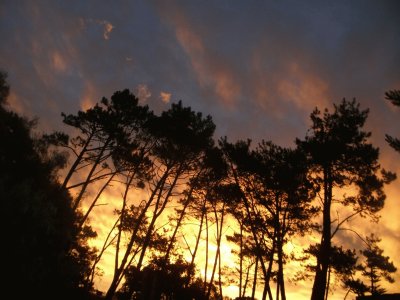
(45, 256)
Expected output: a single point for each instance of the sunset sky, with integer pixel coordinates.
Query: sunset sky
(258, 67)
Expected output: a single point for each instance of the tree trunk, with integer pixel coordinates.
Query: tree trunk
(84, 218)
(106, 244)
(206, 260)
(253, 231)
(203, 212)
(253, 291)
(90, 174)
(319, 287)
(246, 281)
(218, 253)
(77, 161)
(118, 272)
(156, 214)
(280, 269)
(241, 261)
(178, 224)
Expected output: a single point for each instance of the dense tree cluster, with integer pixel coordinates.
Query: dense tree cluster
(45, 252)
(179, 189)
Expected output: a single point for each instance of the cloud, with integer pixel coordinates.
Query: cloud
(58, 62)
(143, 92)
(108, 27)
(303, 89)
(214, 73)
(88, 98)
(165, 97)
(15, 102)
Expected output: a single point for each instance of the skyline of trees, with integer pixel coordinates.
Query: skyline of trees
(173, 173)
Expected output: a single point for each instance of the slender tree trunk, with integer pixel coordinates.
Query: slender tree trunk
(280, 269)
(220, 273)
(265, 291)
(203, 212)
(157, 212)
(106, 244)
(82, 222)
(90, 174)
(269, 271)
(327, 283)
(206, 260)
(218, 253)
(115, 281)
(178, 224)
(246, 281)
(319, 287)
(279, 234)
(118, 272)
(254, 233)
(77, 161)
(253, 291)
(241, 260)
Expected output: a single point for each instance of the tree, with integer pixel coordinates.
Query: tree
(343, 263)
(46, 256)
(109, 142)
(178, 139)
(140, 284)
(376, 266)
(340, 156)
(286, 193)
(276, 196)
(394, 97)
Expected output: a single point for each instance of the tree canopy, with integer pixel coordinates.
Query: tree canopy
(176, 195)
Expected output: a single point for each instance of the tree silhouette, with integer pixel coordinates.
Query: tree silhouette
(394, 97)
(177, 139)
(46, 255)
(140, 284)
(375, 267)
(276, 198)
(109, 136)
(339, 155)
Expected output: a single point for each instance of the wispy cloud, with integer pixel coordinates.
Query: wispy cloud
(59, 63)
(214, 73)
(165, 97)
(143, 92)
(303, 89)
(108, 27)
(88, 97)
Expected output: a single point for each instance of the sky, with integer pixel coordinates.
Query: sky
(258, 68)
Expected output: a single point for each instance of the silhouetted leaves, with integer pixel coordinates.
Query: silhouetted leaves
(45, 254)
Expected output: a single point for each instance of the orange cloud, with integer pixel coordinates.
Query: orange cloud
(305, 90)
(165, 97)
(16, 103)
(108, 27)
(58, 62)
(212, 72)
(88, 99)
(143, 92)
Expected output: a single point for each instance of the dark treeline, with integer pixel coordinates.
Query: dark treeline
(172, 175)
